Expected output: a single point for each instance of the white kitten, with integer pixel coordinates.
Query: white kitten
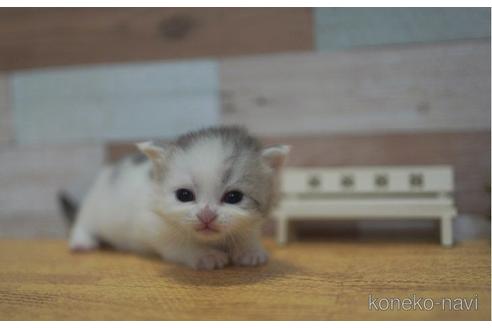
(200, 200)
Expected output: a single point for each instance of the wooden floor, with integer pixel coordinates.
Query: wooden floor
(41, 280)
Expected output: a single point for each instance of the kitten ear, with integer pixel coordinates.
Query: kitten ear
(155, 153)
(275, 156)
(152, 151)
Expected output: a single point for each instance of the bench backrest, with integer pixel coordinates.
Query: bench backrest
(424, 180)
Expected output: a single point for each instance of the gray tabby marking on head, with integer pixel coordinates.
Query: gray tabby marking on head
(235, 139)
(227, 175)
(235, 135)
(240, 142)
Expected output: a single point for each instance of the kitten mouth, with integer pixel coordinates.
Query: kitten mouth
(204, 228)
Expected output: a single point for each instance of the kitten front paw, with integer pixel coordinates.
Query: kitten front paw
(81, 242)
(251, 258)
(210, 260)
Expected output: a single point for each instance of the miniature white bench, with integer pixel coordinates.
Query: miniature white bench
(405, 192)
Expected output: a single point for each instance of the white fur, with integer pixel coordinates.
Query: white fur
(132, 213)
(117, 214)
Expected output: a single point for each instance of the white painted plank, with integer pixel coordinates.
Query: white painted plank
(6, 132)
(30, 178)
(114, 101)
(338, 28)
(413, 88)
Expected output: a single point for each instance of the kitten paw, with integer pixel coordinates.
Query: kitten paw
(210, 260)
(81, 243)
(251, 258)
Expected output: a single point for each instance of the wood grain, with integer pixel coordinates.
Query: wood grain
(467, 152)
(312, 280)
(53, 36)
(428, 87)
(338, 28)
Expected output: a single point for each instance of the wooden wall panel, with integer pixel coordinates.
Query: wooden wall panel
(6, 125)
(54, 36)
(114, 102)
(30, 178)
(339, 28)
(467, 152)
(387, 89)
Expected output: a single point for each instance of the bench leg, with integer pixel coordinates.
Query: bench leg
(447, 230)
(282, 229)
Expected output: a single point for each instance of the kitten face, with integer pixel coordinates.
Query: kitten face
(216, 182)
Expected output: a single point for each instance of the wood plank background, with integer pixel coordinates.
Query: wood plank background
(71, 36)
(30, 178)
(112, 102)
(6, 128)
(409, 88)
(340, 28)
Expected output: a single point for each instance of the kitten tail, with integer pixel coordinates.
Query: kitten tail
(68, 207)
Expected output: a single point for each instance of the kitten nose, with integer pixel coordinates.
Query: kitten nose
(206, 215)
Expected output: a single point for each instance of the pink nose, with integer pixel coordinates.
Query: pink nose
(207, 215)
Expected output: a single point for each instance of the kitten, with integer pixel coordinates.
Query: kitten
(199, 200)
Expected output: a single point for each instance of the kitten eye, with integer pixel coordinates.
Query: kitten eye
(232, 197)
(185, 195)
